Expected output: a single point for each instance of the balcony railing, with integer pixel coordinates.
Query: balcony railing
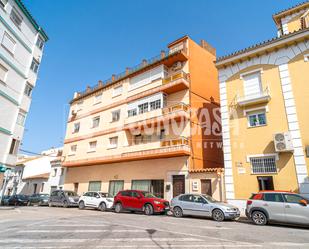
(175, 76)
(178, 107)
(175, 142)
(257, 98)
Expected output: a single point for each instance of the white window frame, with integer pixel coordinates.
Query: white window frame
(79, 105)
(117, 91)
(306, 57)
(19, 16)
(22, 114)
(97, 99)
(3, 3)
(263, 156)
(113, 145)
(90, 148)
(26, 91)
(7, 36)
(256, 113)
(40, 42)
(74, 127)
(115, 113)
(5, 74)
(93, 122)
(35, 66)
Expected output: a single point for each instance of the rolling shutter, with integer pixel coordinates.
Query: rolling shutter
(252, 84)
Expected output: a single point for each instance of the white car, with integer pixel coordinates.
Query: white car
(98, 200)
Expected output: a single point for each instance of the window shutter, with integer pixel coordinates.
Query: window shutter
(3, 72)
(8, 43)
(252, 84)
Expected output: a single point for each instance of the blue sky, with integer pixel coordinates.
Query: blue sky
(93, 39)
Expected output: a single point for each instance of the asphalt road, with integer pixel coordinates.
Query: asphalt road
(44, 227)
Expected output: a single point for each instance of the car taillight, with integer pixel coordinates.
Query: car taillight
(249, 202)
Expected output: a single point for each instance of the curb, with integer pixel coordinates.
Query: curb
(7, 208)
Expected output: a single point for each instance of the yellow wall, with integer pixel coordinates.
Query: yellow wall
(258, 140)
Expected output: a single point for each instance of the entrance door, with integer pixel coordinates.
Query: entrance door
(178, 185)
(206, 187)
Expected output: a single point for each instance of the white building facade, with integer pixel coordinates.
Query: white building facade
(21, 48)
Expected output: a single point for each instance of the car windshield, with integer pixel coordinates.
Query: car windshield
(209, 198)
(22, 197)
(149, 195)
(70, 193)
(44, 195)
(106, 195)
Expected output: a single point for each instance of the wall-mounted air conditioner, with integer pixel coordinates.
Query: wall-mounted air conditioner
(283, 142)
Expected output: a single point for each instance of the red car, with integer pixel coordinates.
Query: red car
(136, 200)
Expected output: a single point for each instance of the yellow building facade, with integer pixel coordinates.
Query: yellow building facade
(141, 129)
(264, 96)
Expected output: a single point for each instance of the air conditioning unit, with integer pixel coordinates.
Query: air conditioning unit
(176, 66)
(283, 142)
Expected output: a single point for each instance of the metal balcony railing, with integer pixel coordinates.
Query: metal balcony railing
(175, 76)
(178, 107)
(175, 142)
(264, 95)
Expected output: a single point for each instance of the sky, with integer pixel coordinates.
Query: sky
(92, 39)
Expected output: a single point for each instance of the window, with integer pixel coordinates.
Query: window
(252, 84)
(265, 183)
(16, 17)
(42, 187)
(34, 66)
(21, 118)
(3, 73)
(115, 116)
(94, 186)
(257, 119)
(126, 193)
(162, 134)
(40, 43)
(155, 105)
(62, 171)
(147, 77)
(132, 112)
(95, 122)
(265, 164)
(156, 187)
(54, 172)
(28, 90)
(35, 186)
(3, 3)
(14, 146)
(76, 187)
(117, 91)
(198, 199)
(273, 197)
(76, 127)
(92, 146)
(188, 198)
(8, 43)
(73, 149)
(138, 139)
(113, 142)
(290, 198)
(97, 98)
(115, 187)
(142, 108)
(79, 105)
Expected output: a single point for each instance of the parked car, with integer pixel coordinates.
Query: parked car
(99, 200)
(203, 205)
(136, 200)
(39, 199)
(278, 206)
(18, 200)
(5, 200)
(63, 198)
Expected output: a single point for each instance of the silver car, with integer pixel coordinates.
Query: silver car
(203, 205)
(278, 206)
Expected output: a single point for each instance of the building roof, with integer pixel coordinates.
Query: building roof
(277, 16)
(40, 176)
(19, 163)
(260, 45)
(23, 8)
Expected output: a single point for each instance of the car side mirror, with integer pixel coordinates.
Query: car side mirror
(303, 203)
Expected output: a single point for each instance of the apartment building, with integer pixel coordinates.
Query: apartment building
(264, 98)
(154, 127)
(22, 42)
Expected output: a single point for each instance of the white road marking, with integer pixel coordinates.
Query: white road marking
(203, 227)
(75, 225)
(82, 231)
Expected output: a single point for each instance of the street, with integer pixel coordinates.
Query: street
(44, 227)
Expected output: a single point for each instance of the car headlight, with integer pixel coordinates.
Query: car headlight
(109, 200)
(231, 209)
(157, 202)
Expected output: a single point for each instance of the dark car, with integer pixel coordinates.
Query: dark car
(63, 198)
(39, 199)
(5, 200)
(136, 200)
(18, 200)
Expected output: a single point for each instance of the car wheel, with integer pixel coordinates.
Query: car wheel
(102, 207)
(259, 218)
(50, 205)
(81, 205)
(218, 215)
(28, 203)
(118, 208)
(148, 209)
(177, 211)
(65, 204)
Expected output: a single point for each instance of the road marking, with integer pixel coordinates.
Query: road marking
(203, 227)
(75, 225)
(82, 231)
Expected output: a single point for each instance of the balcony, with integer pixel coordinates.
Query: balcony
(253, 99)
(165, 149)
(176, 82)
(157, 117)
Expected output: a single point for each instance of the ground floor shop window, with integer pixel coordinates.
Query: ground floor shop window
(265, 183)
(94, 186)
(154, 186)
(76, 187)
(115, 187)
